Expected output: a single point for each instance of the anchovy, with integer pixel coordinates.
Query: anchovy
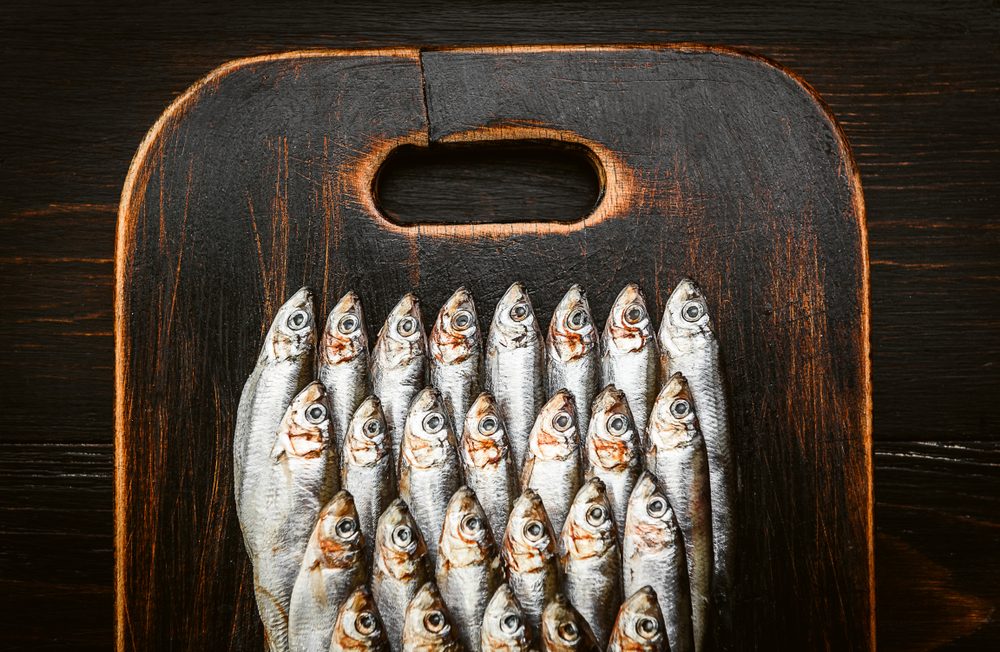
(529, 550)
(429, 466)
(283, 368)
(653, 555)
(688, 345)
(399, 362)
(332, 568)
(553, 467)
(505, 628)
(591, 560)
(359, 626)
(456, 355)
(428, 626)
(366, 467)
(614, 451)
(565, 630)
(469, 568)
(676, 455)
(629, 356)
(515, 366)
(299, 478)
(486, 461)
(573, 353)
(401, 567)
(639, 626)
(343, 361)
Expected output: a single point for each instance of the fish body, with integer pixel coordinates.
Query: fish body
(591, 560)
(398, 365)
(401, 567)
(573, 353)
(366, 467)
(456, 355)
(469, 568)
(653, 555)
(343, 362)
(629, 356)
(359, 626)
(486, 461)
(505, 628)
(639, 626)
(688, 346)
(565, 630)
(614, 451)
(553, 467)
(427, 624)
(429, 470)
(677, 457)
(529, 551)
(333, 567)
(515, 366)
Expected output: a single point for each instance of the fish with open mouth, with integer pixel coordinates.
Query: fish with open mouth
(553, 467)
(359, 626)
(573, 352)
(565, 630)
(529, 551)
(428, 626)
(639, 626)
(486, 461)
(456, 355)
(505, 628)
(343, 361)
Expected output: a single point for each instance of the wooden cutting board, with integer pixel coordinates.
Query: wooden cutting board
(715, 164)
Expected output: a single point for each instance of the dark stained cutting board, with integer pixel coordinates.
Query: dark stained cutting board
(716, 164)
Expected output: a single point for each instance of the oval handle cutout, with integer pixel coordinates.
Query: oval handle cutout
(489, 182)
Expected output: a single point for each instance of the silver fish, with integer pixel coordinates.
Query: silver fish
(401, 567)
(429, 470)
(573, 352)
(515, 366)
(553, 467)
(486, 461)
(676, 455)
(565, 630)
(505, 628)
(366, 467)
(456, 355)
(629, 356)
(428, 626)
(399, 362)
(688, 346)
(469, 568)
(614, 451)
(529, 550)
(299, 479)
(591, 560)
(332, 568)
(653, 554)
(639, 626)
(283, 368)
(359, 626)
(343, 361)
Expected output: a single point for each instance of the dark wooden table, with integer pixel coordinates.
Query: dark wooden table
(915, 88)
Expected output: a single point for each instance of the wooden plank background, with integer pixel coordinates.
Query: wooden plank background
(915, 88)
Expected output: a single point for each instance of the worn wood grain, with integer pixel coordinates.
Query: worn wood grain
(913, 85)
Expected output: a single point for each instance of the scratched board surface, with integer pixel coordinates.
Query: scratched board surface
(718, 165)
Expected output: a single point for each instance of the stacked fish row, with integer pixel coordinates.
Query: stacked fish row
(509, 492)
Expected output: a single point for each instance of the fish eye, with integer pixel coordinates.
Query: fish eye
(435, 622)
(693, 311)
(433, 422)
(510, 623)
(348, 324)
(562, 421)
(402, 536)
(578, 319)
(519, 312)
(647, 627)
(298, 320)
(618, 424)
(372, 427)
(656, 507)
(596, 515)
(346, 527)
(489, 425)
(407, 326)
(472, 524)
(366, 623)
(634, 313)
(315, 413)
(680, 408)
(462, 320)
(534, 530)
(569, 632)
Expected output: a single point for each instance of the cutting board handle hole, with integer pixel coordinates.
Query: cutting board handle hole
(542, 180)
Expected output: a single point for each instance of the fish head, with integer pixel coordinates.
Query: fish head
(427, 432)
(528, 542)
(572, 333)
(629, 327)
(611, 438)
(426, 621)
(555, 435)
(484, 438)
(564, 629)
(359, 625)
(455, 335)
(293, 331)
(686, 319)
(640, 623)
(672, 421)
(649, 520)
(402, 335)
(338, 532)
(590, 525)
(466, 539)
(504, 624)
(399, 546)
(514, 323)
(345, 336)
(365, 442)
(304, 432)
